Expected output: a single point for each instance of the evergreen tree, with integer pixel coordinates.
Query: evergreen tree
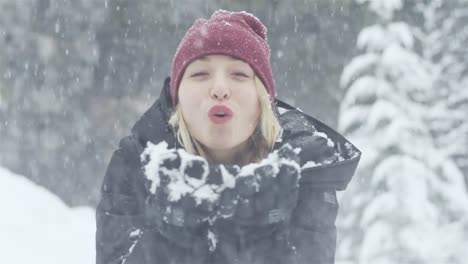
(407, 203)
(444, 38)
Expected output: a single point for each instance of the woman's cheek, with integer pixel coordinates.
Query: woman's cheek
(197, 112)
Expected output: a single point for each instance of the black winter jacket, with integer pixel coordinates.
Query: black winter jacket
(125, 235)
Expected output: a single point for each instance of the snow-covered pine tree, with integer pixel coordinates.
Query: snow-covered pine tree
(407, 203)
(444, 39)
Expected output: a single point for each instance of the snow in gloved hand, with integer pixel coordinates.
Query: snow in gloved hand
(267, 191)
(185, 190)
(186, 182)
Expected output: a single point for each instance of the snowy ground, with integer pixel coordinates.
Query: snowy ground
(37, 227)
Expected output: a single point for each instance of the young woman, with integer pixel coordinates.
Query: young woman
(219, 110)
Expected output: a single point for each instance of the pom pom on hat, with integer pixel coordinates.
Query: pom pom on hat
(237, 34)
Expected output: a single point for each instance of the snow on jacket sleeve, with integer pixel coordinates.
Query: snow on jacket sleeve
(312, 230)
(122, 235)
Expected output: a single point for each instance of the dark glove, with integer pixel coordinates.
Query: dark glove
(267, 192)
(184, 192)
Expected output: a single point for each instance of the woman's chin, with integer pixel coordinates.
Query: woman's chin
(220, 134)
(221, 144)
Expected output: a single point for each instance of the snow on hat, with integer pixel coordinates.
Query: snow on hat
(236, 34)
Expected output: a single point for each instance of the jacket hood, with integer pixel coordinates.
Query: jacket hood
(153, 125)
(328, 159)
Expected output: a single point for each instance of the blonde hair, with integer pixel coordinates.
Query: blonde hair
(261, 141)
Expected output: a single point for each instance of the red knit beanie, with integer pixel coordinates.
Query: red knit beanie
(236, 34)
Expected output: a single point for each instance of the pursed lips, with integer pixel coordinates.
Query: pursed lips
(220, 114)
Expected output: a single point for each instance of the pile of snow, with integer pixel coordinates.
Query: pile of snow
(37, 227)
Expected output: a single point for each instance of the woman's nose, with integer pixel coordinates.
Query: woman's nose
(220, 91)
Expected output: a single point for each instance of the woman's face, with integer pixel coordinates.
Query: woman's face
(219, 102)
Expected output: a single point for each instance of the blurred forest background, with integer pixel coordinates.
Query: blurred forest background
(392, 75)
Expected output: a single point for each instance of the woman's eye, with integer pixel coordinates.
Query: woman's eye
(198, 74)
(241, 74)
